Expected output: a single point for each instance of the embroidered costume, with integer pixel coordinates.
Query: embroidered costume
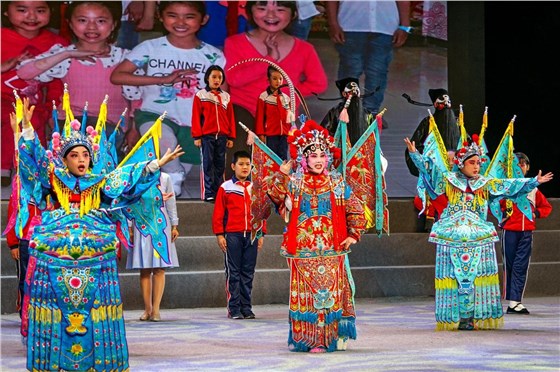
(466, 275)
(73, 311)
(322, 212)
(328, 203)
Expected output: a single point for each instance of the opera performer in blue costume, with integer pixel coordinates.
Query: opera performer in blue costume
(73, 309)
(466, 275)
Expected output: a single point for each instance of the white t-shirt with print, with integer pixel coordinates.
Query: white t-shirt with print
(157, 57)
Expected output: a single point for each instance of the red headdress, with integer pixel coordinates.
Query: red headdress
(310, 137)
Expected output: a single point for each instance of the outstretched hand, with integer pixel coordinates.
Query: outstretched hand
(13, 122)
(27, 113)
(410, 145)
(286, 166)
(170, 155)
(542, 179)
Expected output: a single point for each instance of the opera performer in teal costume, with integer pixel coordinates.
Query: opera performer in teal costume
(73, 308)
(466, 275)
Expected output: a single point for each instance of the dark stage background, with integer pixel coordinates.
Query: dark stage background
(501, 56)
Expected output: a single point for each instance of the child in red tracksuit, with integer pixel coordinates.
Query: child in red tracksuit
(231, 222)
(271, 119)
(213, 129)
(517, 242)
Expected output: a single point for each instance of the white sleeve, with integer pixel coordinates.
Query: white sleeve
(171, 203)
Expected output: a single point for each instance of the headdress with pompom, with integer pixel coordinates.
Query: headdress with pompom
(468, 150)
(63, 144)
(75, 133)
(310, 137)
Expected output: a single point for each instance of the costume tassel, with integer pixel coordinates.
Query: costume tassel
(101, 119)
(63, 194)
(67, 110)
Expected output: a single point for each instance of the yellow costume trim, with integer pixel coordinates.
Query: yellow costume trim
(446, 283)
(90, 198)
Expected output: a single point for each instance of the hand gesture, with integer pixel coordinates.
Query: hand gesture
(399, 38)
(260, 243)
(131, 137)
(181, 76)
(135, 11)
(86, 55)
(167, 196)
(174, 233)
(348, 242)
(542, 179)
(336, 34)
(229, 144)
(198, 142)
(15, 253)
(410, 145)
(27, 113)
(170, 155)
(286, 166)
(222, 243)
(11, 63)
(13, 122)
(271, 44)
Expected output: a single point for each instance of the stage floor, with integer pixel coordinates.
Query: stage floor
(394, 334)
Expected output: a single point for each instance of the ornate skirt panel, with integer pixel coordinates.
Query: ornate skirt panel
(321, 303)
(467, 286)
(75, 317)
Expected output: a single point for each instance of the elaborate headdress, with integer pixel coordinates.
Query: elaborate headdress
(63, 144)
(310, 137)
(75, 133)
(468, 150)
(348, 85)
(440, 98)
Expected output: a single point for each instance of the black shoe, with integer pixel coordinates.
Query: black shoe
(209, 199)
(236, 316)
(517, 310)
(466, 324)
(249, 315)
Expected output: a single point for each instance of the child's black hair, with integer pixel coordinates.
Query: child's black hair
(521, 156)
(209, 71)
(5, 4)
(114, 7)
(199, 6)
(249, 9)
(241, 154)
(270, 70)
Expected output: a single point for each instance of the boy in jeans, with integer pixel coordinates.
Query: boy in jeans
(231, 222)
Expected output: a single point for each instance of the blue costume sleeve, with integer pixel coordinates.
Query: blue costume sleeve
(515, 189)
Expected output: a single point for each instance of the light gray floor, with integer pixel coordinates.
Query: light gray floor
(394, 334)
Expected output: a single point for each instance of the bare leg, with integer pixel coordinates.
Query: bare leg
(146, 289)
(158, 287)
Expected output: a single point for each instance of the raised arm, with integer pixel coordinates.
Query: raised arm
(37, 66)
(123, 74)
